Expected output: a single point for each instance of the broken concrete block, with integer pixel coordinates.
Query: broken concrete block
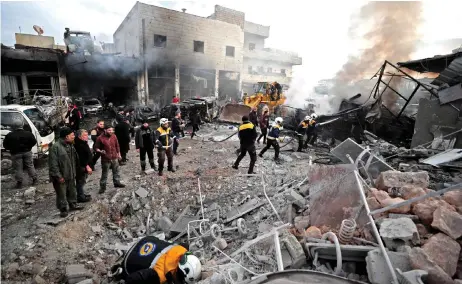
(295, 249)
(39, 280)
(436, 275)
(399, 232)
(313, 232)
(164, 224)
(454, 198)
(377, 269)
(141, 192)
(425, 209)
(395, 179)
(379, 194)
(126, 235)
(220, 243)
(448, 222)
(149, 171)
(302, 222)
(296, 198)
(97, 229)
(76, 273)
(413, 276)
(411, 191)
(391, 201)
(444, 251)
(29, 193)
(396, 216)
(86, 281)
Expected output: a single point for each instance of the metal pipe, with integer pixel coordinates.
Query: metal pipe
(200, 196)
(277, 249)
(371, 220)
(267, 198)
(338, 251)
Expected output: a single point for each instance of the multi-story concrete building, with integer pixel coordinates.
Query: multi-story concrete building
(189, 56)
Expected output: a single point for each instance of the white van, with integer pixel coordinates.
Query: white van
(33, 122)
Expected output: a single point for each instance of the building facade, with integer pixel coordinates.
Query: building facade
(189, 56)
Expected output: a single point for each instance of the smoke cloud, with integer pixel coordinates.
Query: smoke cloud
(392, 34)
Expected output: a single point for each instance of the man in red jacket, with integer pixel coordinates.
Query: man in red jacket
(108, 146)
(176, 99)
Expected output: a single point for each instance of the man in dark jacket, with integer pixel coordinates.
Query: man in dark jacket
(95, 133)
(122, 131)
(253, 117)
(63, 163)
(177, 126)
(195, 121)
(74, 117)
(108, 146)
(301, 131)
(273, 137)
(247, 135)
(144, 143)
(264, 124)
(84, 169)
(20, 142)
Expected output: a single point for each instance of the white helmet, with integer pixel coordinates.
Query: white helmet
(278, 120)
(163, 121)
(314, 116)
(307, 118)
(191, 267)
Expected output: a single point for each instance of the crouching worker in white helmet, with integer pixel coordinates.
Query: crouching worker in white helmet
(273, 137)
(153, 261)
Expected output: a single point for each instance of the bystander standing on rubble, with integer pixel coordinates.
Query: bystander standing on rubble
(311, 131)
(253, 117)
(273, 137)
(301, 131)
(144, 143)
(108, 146)
(74, 115)
(63, 163)
(151, 260)
(20, 142)
(175, 99)
(163, 140)
(195, 121)
(84, 169)
(122, 132)
(264, 123)
(247, 135)
(177, 126)
(95, 133)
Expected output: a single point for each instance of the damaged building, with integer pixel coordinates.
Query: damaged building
(190, 56)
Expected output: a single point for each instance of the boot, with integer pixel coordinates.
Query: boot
(160, 173)
(35, 181)
(83, 199)
(235, 167)
(102, 189)
(260, 155)
(18, 185)
(171, 170)
(153, 165)
(63, 213)
(75, 207)
(143, 166)
(119, 185)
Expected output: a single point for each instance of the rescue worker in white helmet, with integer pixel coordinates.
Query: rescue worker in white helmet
(311, 131)
(301, 131)
(273, 137)
(153, 261)
(164, 138)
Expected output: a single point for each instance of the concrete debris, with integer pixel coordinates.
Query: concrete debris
(425, 209)
(296, 198)
(39, 280)
(448, 221)
(76, 273)
(412, 277)
(395, 179)
(444, 251)
(302, 222)
(411, 191)
(29, 195)
(221, 243)
(436, 275)
(454, 198)
(149, 171)
(164, 224)
(141, 192)
(399, 232)
(87, 281)
(377, 269)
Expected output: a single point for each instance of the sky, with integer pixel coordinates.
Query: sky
(316, 30)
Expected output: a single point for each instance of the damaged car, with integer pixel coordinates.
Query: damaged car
(92, 107)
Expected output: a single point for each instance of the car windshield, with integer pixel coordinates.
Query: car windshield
(37, 118)
(91, 102)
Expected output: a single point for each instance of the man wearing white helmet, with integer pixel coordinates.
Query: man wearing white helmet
(153, 261)
(301, 131)
(273, 137)
(311, 131)
(164, 139)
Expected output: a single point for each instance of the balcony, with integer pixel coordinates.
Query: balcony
(256, 29)
(270, 54)
(269, 77)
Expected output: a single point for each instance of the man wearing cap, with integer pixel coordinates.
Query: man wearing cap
(63, 163)
(108, 146)
(177, 126)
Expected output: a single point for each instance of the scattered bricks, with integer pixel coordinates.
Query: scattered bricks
(411, 191)
(425, 209)
(394, 179)
(377, 269)
(313, 232)
(149, 171)
(296, 198)
(379, 194)
(302, 222)
(443, 251)
(400, 210)
(454, 198)
(164, 224)
(141, 192)
(448, 222)
(436, 275)
(76, 273)
(220, 243)
(399, 232)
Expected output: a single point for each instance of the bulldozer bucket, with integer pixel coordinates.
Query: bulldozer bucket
(233, 113)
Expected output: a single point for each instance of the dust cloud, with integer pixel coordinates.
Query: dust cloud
(389, 31)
